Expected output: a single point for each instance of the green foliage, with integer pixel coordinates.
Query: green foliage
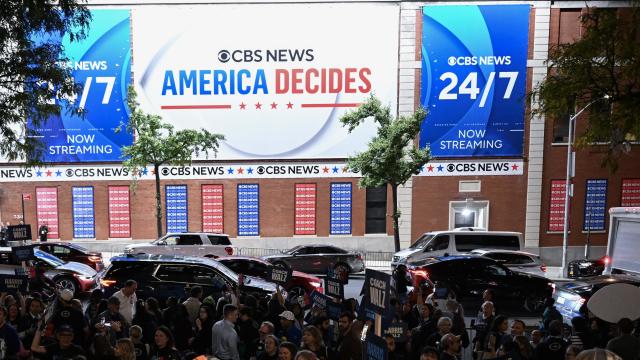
(604, 61)
(32, 74)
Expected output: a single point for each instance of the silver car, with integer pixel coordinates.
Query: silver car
(516, 260)
(316, 259)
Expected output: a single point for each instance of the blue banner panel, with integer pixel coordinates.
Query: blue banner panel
(340, 206)
(101, 63)
(248, 210)
(83, 213)
(176, 203)
(595, 205)
(474, 62)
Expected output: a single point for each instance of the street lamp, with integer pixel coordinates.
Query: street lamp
(568, 189)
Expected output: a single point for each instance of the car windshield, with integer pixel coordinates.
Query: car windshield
(421, 242)
(77, 247)
(293, 250)
(48, 258)
(227, 272)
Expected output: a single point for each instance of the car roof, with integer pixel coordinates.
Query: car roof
(194, 233)
(235, 257)
(472, 231)
(164, 258)
(441, 259)
(493, 251)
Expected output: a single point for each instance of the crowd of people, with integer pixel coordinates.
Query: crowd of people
(240, 325)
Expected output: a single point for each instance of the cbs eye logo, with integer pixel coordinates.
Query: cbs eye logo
(224, 56)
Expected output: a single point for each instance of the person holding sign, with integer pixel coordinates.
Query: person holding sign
(289, 331)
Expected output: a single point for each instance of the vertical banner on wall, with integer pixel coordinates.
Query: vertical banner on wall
(176, 203)
(474, 62)
(340, 206)
(630, 192)
(213, 208)
(119, 212)
(248, 210)
(595, 205)
(83, 213)
(556, 205)
(101, 63)
(305, 210)
(47, 210)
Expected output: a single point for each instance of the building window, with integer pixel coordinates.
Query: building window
(305, 209)
(556, 205)
(119, 212)
(213, 208)
(248, 209)
(176, 208)
(376, 213)
(340, 208)
(83, 214)
(561, 124)
(595, 205)
(630, 192)
(47, 210)
(469, 213)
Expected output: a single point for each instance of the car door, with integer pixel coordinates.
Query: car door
(301, 260)
(212, 282)
(188, 245)
(326, 258)
(172, 280)
(61, 252)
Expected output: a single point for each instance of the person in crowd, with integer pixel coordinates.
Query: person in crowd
(444, 327)
(427, 326)
(312, 341)
(181, 328)
(67, 314)
(128, 299)
(27, 324)
(13, 315)
(401, 281)
(142, 349)
(125, 350)
(271, 345)
(581, 336)
(63, 348)
(625, 345)
(96, 305)
(153, 306)
(549, 314)
(265, 329)
(553, 347)
(458, 326)
(497, 337)
(288, 330)
(306, 355)
(247, 333)
(113, 319)
(8, 336)
(517, 328)
(597, 354)
(483, 327)
(146, 320)
(287, 351)
(393, 352)
(349, 347)
(572, 352)
(43, 231)
(103, 342)
(450, 347)
(201, 343)
(224, 341)
(524, 346)
(164, 348)
(536, 338)
(429, 353)
(193, 303)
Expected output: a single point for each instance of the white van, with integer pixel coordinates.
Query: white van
(453, 242)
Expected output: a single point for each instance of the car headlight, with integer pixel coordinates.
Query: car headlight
(315, 284)
(83, 277)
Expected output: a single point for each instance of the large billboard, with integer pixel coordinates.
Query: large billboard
(274, 79)
(101, 63)
(474, 61)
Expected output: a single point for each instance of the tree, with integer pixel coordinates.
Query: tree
(392, 156)
(157, 144)
(605, 61)
(32, 72)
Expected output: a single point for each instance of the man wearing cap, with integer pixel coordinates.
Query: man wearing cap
(67, 314)
(128, 299)
(63, 348)
(9, 341)
(224, 344)
(288, 331)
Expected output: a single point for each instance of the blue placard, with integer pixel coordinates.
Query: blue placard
(595, 205)
(101, 63)
(248, 210)
(474, 62)
(83, 213)
(176, 202)
(340, 209)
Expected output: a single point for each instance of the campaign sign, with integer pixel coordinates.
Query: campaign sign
(13, 283)
(378, 290)
(333, 287)
(320, 300)
(398, 330)
(101, 63)
(23, 253)
(279, 275)
(334, 310)
(19, 232)
(375, 348)
(474, 63)
(342, 277)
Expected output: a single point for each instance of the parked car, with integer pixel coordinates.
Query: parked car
(516, 260)
(456, 242)
(467, 276)
(572, 296)
(587, 267)
(72, 252)
(299, 285)
(187, 244)
(162, 276)
(70, 275)
(316, 259)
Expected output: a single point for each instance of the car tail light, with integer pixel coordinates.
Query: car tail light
(315, 284)
(606, 260)
(543, 267)
(107, 283)
(95, 258)
(359, 257)
(229, 250)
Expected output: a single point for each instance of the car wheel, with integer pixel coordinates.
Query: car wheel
(534, 303)
(342, 270)
(66, 282)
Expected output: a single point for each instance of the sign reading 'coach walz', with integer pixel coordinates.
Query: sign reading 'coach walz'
(378, 288)
(19, 232)
(334, 287)
(279, 275)
(13, 283)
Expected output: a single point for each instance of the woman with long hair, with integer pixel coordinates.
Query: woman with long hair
(146, 320)
(153, 306)
(125, 349)
(497, 337)
(204, 322)
(312, 341)
(287, 351)
(164, 345)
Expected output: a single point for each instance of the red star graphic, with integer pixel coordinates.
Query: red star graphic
(325, 169)
(289, 105)
(48, 172)
(345, 169)
(274, 105)
(243, 106)
(240, 171)
(430, 168)
(514, 167)
(258, 106)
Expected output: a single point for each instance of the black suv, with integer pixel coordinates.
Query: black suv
(469, 275)
(162, 276)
